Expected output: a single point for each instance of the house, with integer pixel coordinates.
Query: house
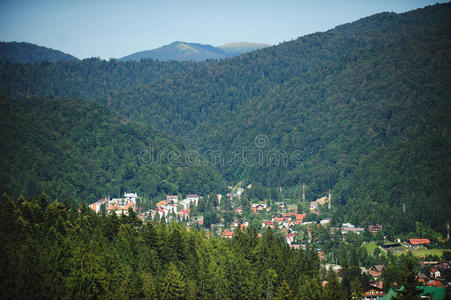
(184, 213)
(375, 291)
(267, 223)
(130, 197)
(376, 270)
(378, 285)
(161, 203)
(297, 222)
(443, 266)
(298, 246)
(300, 217)
(120, 208)
(289, 215)
(356, 230)
(373, 294)
(417, 242)
(172, 198)
(258, 207)
(116, 205)
(96, 205)
(185, 203)
(422, 279)
(435, 273)
(227, 234)
(324, 222)
(193, 198)
(434, 283)
(374, 228)
(278, 220)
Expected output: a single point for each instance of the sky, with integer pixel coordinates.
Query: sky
(116, 28)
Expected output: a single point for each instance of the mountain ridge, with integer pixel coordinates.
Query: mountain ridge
(184, 51)
(23, 52)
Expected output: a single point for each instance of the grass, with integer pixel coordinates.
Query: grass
(370, 247)
(424, 252)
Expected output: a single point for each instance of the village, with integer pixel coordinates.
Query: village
(290, 224)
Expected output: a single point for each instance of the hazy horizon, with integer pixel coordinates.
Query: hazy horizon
(113, 29)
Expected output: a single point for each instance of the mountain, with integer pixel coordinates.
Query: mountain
(75, 149)
(242, 47)
(180, 51)
(362, 109)
(29, 53)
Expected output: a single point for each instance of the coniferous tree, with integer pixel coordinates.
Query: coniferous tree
(172, 287)
(310, 288)
(333, 290)
(284, 292)
(408, 281)
(148, 286)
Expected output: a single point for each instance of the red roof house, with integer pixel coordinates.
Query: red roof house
(417, 242)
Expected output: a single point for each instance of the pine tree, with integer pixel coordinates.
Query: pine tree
(172, 287)
(309, 289)
(333, 289)
(148, 286)
(408, 281)
(271, 279)
(284, 292)
(130, 285)
(191, 291)
(356, 291)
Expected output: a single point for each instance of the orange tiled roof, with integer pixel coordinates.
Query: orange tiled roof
(300, 216)
(419, 241)
(227, 233)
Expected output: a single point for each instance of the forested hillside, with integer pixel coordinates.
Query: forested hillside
(362, 109)
(15, 52)
(74, 149)
(64, 251)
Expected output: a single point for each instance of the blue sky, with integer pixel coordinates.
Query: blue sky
(115, 28)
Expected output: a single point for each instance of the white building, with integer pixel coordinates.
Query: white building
(116, 205)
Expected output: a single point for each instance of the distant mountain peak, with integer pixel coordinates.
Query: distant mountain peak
(184, 51)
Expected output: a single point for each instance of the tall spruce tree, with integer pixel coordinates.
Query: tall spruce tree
(172, 286)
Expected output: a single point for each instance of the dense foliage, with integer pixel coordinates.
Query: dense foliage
(61, 251)
(74, 149)
(362, 109)
(15, 52)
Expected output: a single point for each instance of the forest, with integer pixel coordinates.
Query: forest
(59, 250)
(362, 108)
(80, 150)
